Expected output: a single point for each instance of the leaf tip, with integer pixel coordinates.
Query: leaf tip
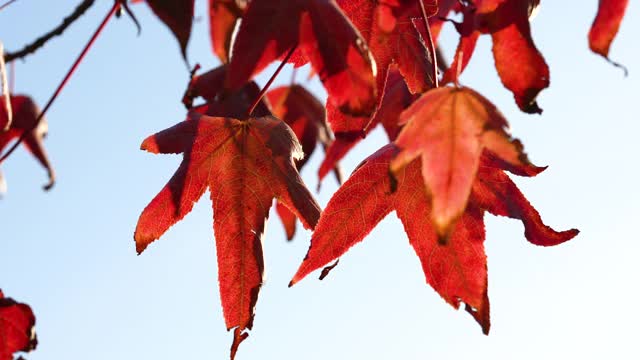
(149, 144)
(141, 242)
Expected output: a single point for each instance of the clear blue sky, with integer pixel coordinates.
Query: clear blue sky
(70, 253)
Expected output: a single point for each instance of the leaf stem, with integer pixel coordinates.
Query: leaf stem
(114, 8)
(273, 77)
(430, 43)
(58, 30)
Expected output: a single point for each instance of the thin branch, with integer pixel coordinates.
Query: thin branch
(39, 42)
(273, 77)
(432, 47)
(114, 8)
(6, 4)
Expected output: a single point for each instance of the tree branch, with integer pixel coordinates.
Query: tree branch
(39, 42)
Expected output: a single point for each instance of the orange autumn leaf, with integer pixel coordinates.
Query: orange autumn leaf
(448, 128)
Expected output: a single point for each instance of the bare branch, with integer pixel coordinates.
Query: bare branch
(39, 42)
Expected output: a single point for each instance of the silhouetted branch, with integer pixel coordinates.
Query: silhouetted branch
(39, 42)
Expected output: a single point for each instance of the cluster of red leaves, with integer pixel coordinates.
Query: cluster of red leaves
(444, 168)
(16, 328)
(446, 165)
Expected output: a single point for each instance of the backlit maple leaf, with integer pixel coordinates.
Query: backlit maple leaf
(457, 270)
(448, 128)
(245, 163)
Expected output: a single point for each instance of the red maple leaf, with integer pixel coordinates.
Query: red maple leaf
(606, 24)
(177, 15)
(223, 17)
(16, 328)
(324, 36)
(448, 128)
(305, 114)
(25, 115)
(457, 270)
(245, 162)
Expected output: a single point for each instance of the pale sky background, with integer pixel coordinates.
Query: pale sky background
(70, 253)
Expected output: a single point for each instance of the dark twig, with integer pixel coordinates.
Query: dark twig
(39, 42)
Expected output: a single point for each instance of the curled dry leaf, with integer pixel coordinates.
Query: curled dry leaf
(25, 115)
(457, 270)
(245, 162)
(17, 324)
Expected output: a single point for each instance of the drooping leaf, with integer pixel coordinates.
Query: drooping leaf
(25, 115)
(245, 163)
(319, 29)
(306, 116)
(449, 128)
(178, 16)
(223, 17)
(606, 24)
(521, 67)
(17, 324)
(456, 270)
